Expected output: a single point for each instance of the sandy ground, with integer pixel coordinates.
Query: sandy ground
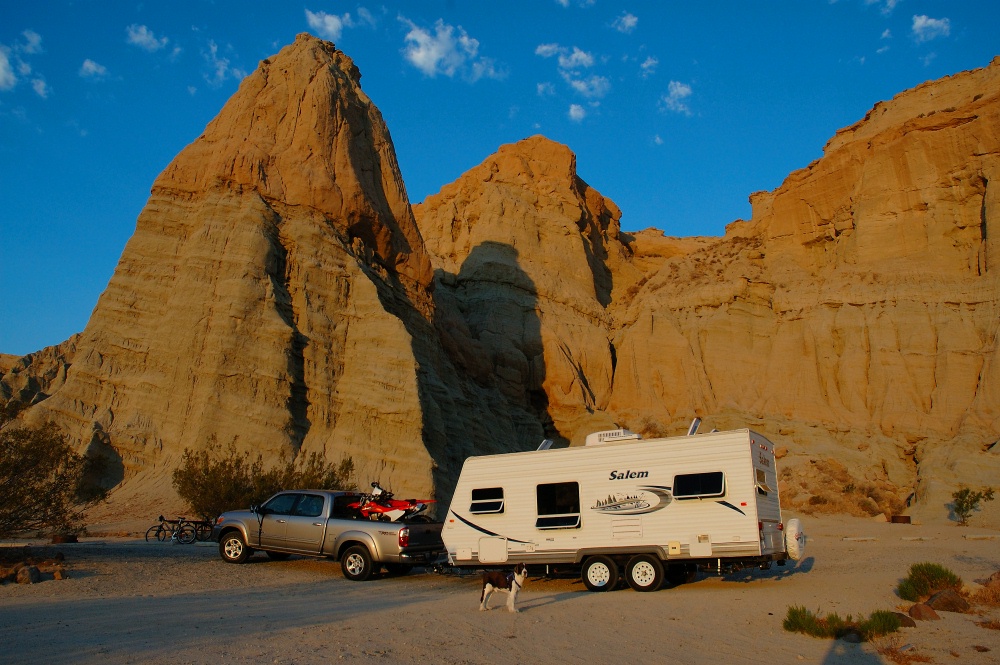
(129, 601)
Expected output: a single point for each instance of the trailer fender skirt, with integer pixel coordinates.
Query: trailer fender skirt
(795, 540)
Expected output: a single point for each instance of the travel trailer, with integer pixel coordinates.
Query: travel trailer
(650, 509)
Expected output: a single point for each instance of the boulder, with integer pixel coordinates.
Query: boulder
(923, 612)
(28, 575)
(948, 600)
(905, 620)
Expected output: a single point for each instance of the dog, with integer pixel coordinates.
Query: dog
(496, 580)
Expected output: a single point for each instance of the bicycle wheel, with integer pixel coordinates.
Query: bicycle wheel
(153, 533)
(164, 532)
(204, 531)
(186, 534)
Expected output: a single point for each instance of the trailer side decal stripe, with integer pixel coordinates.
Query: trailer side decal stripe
(729, 505)
(482, 530)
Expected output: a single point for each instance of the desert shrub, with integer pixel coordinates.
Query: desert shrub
(801, 620)
(965, 502)
(892, 649)
(44, 484)
(214, 480)
(926, 579)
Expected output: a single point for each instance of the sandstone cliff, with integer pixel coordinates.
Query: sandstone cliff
(280, 293)
(275, 294)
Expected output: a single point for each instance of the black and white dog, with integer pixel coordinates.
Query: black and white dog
(496, 580)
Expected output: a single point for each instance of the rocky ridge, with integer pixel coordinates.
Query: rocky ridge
(279, 292)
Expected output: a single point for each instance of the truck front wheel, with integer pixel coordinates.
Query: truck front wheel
(600, 573)
(233, 549)
(356, 563)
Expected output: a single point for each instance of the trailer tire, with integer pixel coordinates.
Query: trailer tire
(644, 572)
(357, 563)
(795, 540)
(599, 573)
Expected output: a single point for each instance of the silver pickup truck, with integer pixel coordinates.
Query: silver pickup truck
(321, 523)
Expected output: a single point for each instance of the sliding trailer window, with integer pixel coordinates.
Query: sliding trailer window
(487, 500)
(699, 485)
(558, 506)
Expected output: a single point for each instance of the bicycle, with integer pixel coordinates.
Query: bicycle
(181, 529)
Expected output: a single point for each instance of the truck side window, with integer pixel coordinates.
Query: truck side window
(281, 504)
(487, 500)
(558, 506)
(699, 485)
(309, 505)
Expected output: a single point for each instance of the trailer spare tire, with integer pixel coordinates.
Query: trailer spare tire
(795, 540)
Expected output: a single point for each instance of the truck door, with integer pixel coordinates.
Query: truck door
(306, 524)
(274, 522)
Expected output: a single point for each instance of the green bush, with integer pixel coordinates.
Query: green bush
(214, 480)
(44, 485)
(926, 579)
(832, 626)
(965, 502)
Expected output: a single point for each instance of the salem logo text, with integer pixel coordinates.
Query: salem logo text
(627, 475)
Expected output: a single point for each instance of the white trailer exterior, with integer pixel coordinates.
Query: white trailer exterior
(651, 509)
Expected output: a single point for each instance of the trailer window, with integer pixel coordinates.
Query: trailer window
(558, 506)
(699, 485)
(762, 486)
(487, 500)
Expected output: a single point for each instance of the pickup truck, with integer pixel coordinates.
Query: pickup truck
(321, 523)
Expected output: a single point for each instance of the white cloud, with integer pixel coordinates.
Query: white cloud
(577, 112)
(675, 99)
(885, 6)
(575, 59)
(926, 28)
(41, 88)
(547, 50)
(219, 69)
(625, 23)
(593, 87)
(33, 42)
(448, 51)
(546, 89)
(91, 69)
(657, 140)
(328, 26)
(366, 16)
(649, 66)
(143, 37)
(7, 78)
(882, 50)
(887, 34)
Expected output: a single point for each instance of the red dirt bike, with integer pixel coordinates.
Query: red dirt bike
(381, 507)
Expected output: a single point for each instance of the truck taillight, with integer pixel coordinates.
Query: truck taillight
(760, 526)
(404, 537)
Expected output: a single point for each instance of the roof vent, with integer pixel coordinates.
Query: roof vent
(695, 424)
(611, 436)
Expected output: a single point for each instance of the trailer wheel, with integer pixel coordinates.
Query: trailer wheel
(600, 573)
(644, 572)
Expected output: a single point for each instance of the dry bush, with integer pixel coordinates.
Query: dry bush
(890, 648)
(826, 486)
(992, 624)
(650, 428)
(988, 595)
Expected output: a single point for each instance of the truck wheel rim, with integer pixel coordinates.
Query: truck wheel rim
(355, 564)
(598, 574)
(643, 573)
(234, 548)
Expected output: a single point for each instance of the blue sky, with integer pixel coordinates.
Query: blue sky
(677, 111)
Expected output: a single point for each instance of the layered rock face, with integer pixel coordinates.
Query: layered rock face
(280, 293)
(261, 299)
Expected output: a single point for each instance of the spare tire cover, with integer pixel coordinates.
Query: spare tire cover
(795, 540)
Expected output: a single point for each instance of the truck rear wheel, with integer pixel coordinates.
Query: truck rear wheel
(356, 563)
(644, 572)
(233, 549)
(600, 573)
